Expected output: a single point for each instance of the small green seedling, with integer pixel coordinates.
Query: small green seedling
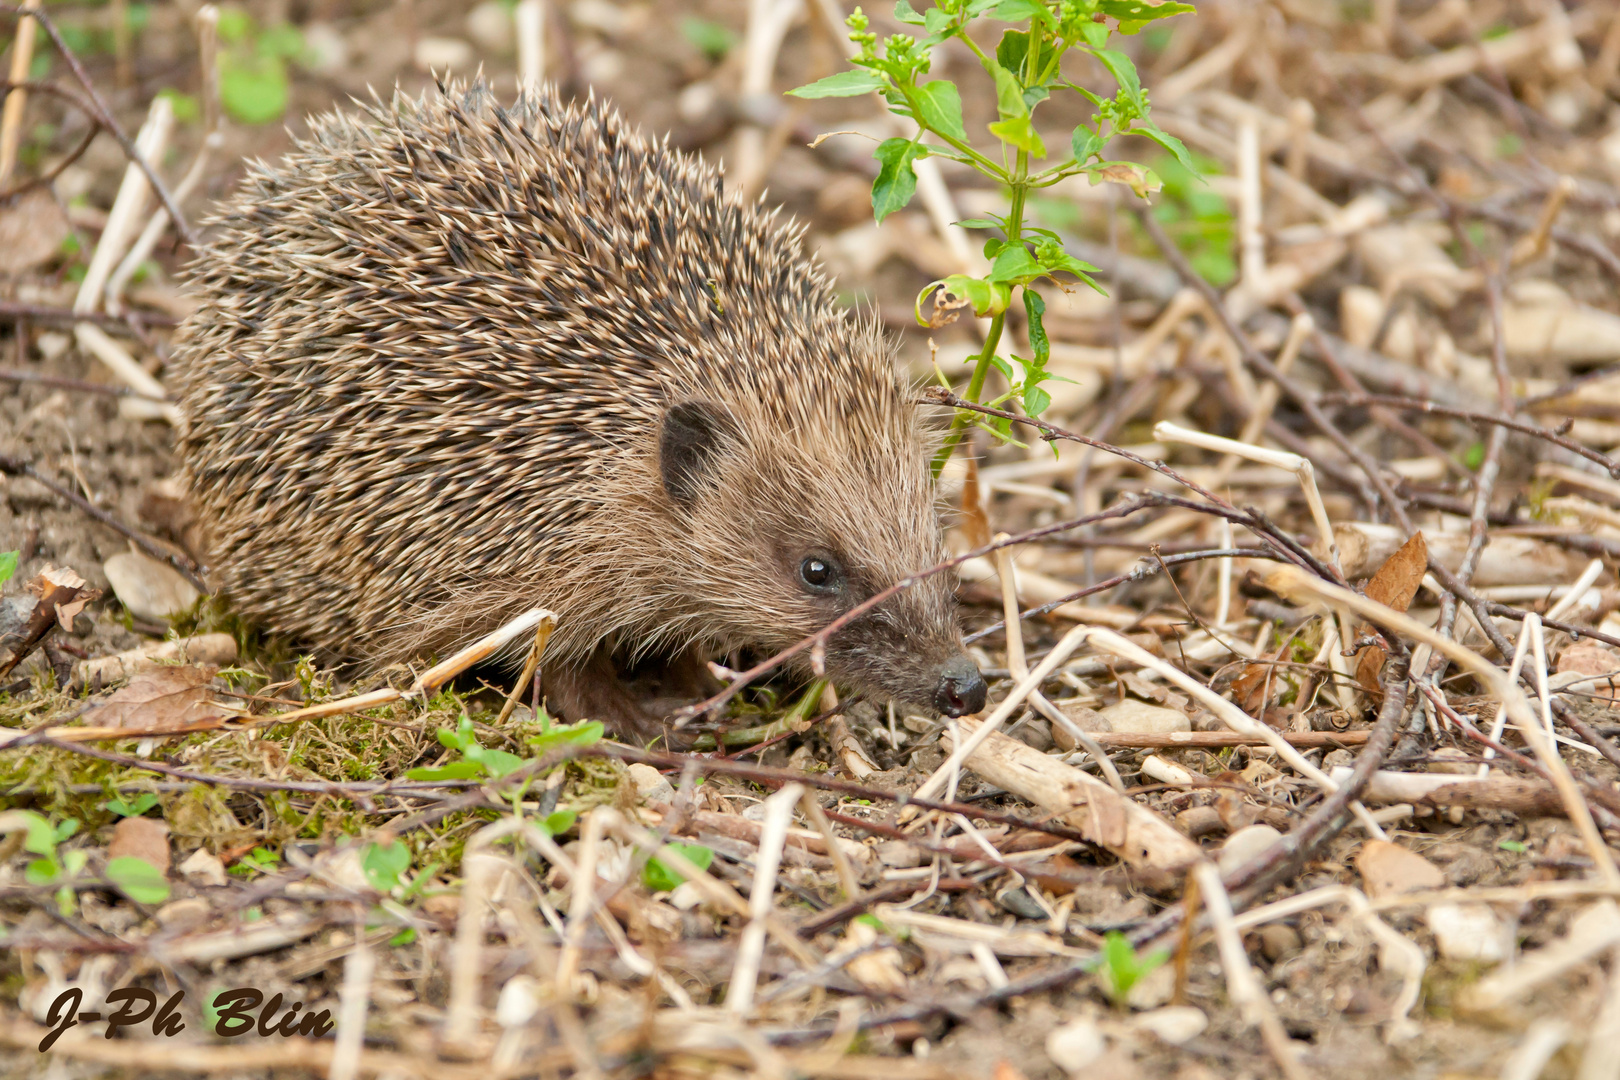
(711, 39)
(1022, 71)
(259, 860)
(8, 565)
(117, 805)
(477, 762)
(384, 863)
(552, 736)
(138, 879)
(1121, 968)
(253, 85)
(661, 877)
(52, 868)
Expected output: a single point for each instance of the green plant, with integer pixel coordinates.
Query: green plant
(1024, 69)
(8, 565)
(253, 86)
(709, 38)
(476, 761)
(41, 838)
(138, 879)
(1198, 219)
(260, 861)
(1121, 968)
(141, 805)
(661, 877)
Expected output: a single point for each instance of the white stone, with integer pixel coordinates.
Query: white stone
(1244, 845)
(152, 591)
(1466, 932)
(519, 1001)
(1144, 719)
(1175, 1024)
(435, 54)
(1075, 1045)
(651, 784)
(203, 867)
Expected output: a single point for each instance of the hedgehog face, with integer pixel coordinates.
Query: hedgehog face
(794, 526)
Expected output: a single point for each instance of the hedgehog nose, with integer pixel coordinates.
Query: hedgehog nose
(961, 688)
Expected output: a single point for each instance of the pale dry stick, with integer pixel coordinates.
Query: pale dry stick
(1533, 244)
(1538, 645)
(1229, 714)
(1399, 954)
(767, 25)
(1520, 651)
(128, 205)
(16, 102)
(354, 997)
(1242, 985)
(1251, 239)
(529, 18)
(582, 898)
(1266, 401)
(1288, 581)
(542, 633)
(1301, 467)
(478, 869)
(714, 891)
(767, 863)
(1019, 666)
(848, 880)
(1060, 652)
(213, 140)
(1301, 124)
(1602, 1058)
(1577, 591)
(1607, 64)
(1212, 65)
(1542, 1039)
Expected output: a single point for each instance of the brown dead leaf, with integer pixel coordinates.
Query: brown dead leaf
(1137, 179)
(1394, 585)
(1389, 870)
(31, 232)
(144, 838)
(975, 521)
(168, 697)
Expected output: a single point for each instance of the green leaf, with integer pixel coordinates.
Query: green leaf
(1013, 49)
(1035, 400)
(558, 822)
(939, 107)
(979, 223)
(585, 733)
(8, 565)
(709, 38)
(904, 12)
(984, 297)
(1035, 309)
(1009, 92)
(234, 25)
(1516, 846)
(1094, 34)
(138, 879)
(283, 39)
(1015, 264)
(456, 770)
(404, 937)
(1124, 72)
(67, 828)
(896, 179)
(1019, 132)
(843, 84)
(1140, 13)
(42, 871)
(1021, 10)
(1149, 130)
(253, 88)
(661, 878)
(383, 864)
(1086, 144)
(140, 806)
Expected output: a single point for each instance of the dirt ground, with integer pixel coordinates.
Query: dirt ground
(1408, 151)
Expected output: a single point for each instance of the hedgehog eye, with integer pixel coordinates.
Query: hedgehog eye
(819, 574)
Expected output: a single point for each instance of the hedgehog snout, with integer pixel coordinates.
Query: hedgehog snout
(961, 688)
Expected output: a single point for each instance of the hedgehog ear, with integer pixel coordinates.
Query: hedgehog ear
(694, 436)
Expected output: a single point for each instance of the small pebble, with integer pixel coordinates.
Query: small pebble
(1175, 1024)
(152, 591)
(1278, 940)
(1020, 903)
(1466, 932)
(1075, 1045)
(650, 783)
(1144, 719)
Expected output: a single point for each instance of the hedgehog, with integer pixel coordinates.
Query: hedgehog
(452, 360)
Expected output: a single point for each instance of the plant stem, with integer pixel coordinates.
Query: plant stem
(981, 363)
